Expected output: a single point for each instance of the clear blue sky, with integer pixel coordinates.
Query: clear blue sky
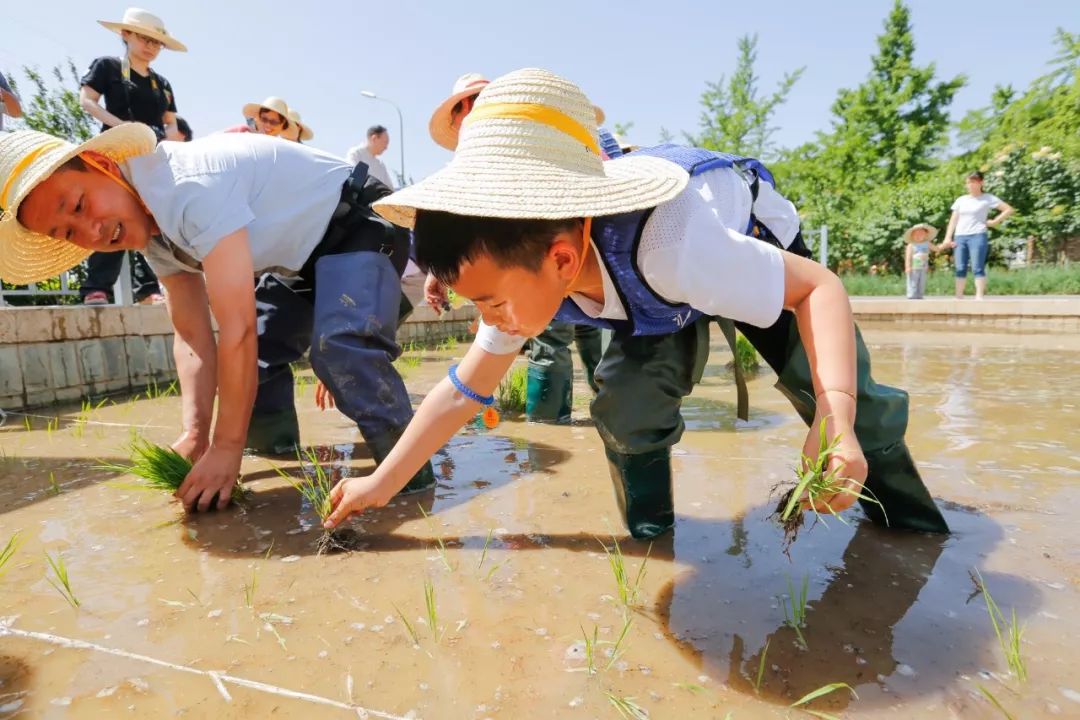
(645, 62)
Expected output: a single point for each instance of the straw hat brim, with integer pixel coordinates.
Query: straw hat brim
(167, 41)
(533, 189)
(921, 226)
(306, 133)
(439, 125)
(251, 110)
(28, 257)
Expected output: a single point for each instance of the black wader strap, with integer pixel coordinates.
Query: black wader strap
(742, 394)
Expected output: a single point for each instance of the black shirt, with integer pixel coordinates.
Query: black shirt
(141, 98)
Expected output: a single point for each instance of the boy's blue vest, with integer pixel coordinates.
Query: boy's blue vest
(617, 238)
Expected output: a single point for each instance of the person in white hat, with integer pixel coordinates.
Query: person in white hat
(210, 215)
(270, 117)
(550, 385)
(529, 223)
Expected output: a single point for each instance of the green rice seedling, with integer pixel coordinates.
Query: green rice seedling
(54, 487)
(1009, 634)
(627, 708)
(821, 692)
(61, 581)
(51, 426)
(250, 587)
(746, 357)
(816, 483)
(9, 551)
(591, 646)
(761, 667)
(690, 687)
(487, 544)
(438, 539)
(449, 344)
(994, 701)
(315, 488)
(795, 616)
(160, 468)
(618, 647)
(27, 424)
(408, 627)
(494, 569)
(512, 391)
(629, 590)
(432, 610)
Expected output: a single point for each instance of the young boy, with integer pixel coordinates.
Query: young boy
(210, 215)
(919, 242)
(529, 223)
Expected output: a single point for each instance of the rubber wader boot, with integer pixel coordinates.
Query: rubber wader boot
(380, 447)
(643, 491)
(549, 393)
(275, 433)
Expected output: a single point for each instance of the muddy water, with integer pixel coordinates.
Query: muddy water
(242, 593)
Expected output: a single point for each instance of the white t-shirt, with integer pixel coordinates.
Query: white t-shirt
(693, 251)
(376, 168)
(283, 193)
(972, 211)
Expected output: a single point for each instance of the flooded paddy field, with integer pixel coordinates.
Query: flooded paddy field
(494, 595)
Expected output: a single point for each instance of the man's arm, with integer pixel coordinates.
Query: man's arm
(230, 288)
(194, 350)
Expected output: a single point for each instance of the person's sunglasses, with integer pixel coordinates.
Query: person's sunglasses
(268, 119)
(152, 42)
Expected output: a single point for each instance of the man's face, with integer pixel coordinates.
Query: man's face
(87, 209)
(377, 144)
(270, 122)
(517, 300)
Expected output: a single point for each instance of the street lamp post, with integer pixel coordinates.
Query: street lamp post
(401, 128)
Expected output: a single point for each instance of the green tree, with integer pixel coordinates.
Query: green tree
(735, 118)
(56, 110)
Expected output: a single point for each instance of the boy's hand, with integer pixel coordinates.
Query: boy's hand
(435, 294)
(352, 496)
(213, 476)
(323, 397)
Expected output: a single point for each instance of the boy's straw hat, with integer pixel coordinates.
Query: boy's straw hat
(251, 110)
(28, 157)
(306, 133)
(465, 86)
(529, 149)
(145, 23)
(931, 230)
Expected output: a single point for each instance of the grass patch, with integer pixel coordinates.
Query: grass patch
(513, 391)
(315, 488)
(816, 483)
(1038, 280)
(1009, 634)
(61, 581)
(746, 357)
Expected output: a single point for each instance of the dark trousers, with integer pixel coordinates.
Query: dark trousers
(103, 270)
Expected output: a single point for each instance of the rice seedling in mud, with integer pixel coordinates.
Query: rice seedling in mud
(795, 616)
(160, 468)
(594, 648)
(821, 692)
(432, 610)
(511, 392)
(627, 708)
(54, 487)
(994, 701)
(1009, 634)
(61, 581)
(315, 488)
(51, 426)
(410, 629)
(250, 587)
(9, 551)
(815, 483)
(761, 667)
(487, 544)
(438, 539)
(155, 392)
(629, 590)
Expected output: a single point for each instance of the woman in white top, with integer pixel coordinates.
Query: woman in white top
(967, 232)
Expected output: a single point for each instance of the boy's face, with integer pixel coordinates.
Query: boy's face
(919, 235)
(515, 299)
(86, 209)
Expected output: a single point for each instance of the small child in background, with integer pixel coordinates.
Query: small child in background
(919, 243)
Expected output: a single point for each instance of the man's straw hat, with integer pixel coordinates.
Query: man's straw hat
(251, 110)
(306, 133)
(529, 149)
(930, 229)
(145, 23)
(469, 84)
(28, 157)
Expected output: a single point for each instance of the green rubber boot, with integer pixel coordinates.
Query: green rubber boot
(549, 394)
(643, 491)
(276, 433)
(380, 447)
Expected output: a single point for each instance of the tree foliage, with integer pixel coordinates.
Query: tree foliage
(56, 110)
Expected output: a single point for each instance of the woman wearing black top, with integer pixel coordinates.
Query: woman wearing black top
(133, 93)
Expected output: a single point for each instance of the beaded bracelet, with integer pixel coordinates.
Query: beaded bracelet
(490, 415)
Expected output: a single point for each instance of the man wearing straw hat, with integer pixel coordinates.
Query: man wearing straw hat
(550, 386)
(529, 223)
(210, 215)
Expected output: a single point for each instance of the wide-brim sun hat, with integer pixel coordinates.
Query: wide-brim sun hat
(251, 110)
(27, 158)
(530, 149)
(930, 229)
(145, 23)
(306, 133)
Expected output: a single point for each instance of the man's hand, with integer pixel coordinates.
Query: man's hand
(213, 476)
(435, 294)
(323, 397)
(352, 496)
(191, 445)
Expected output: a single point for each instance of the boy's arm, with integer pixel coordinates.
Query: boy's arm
(440, 415)
(194, 350)
(230, 287)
